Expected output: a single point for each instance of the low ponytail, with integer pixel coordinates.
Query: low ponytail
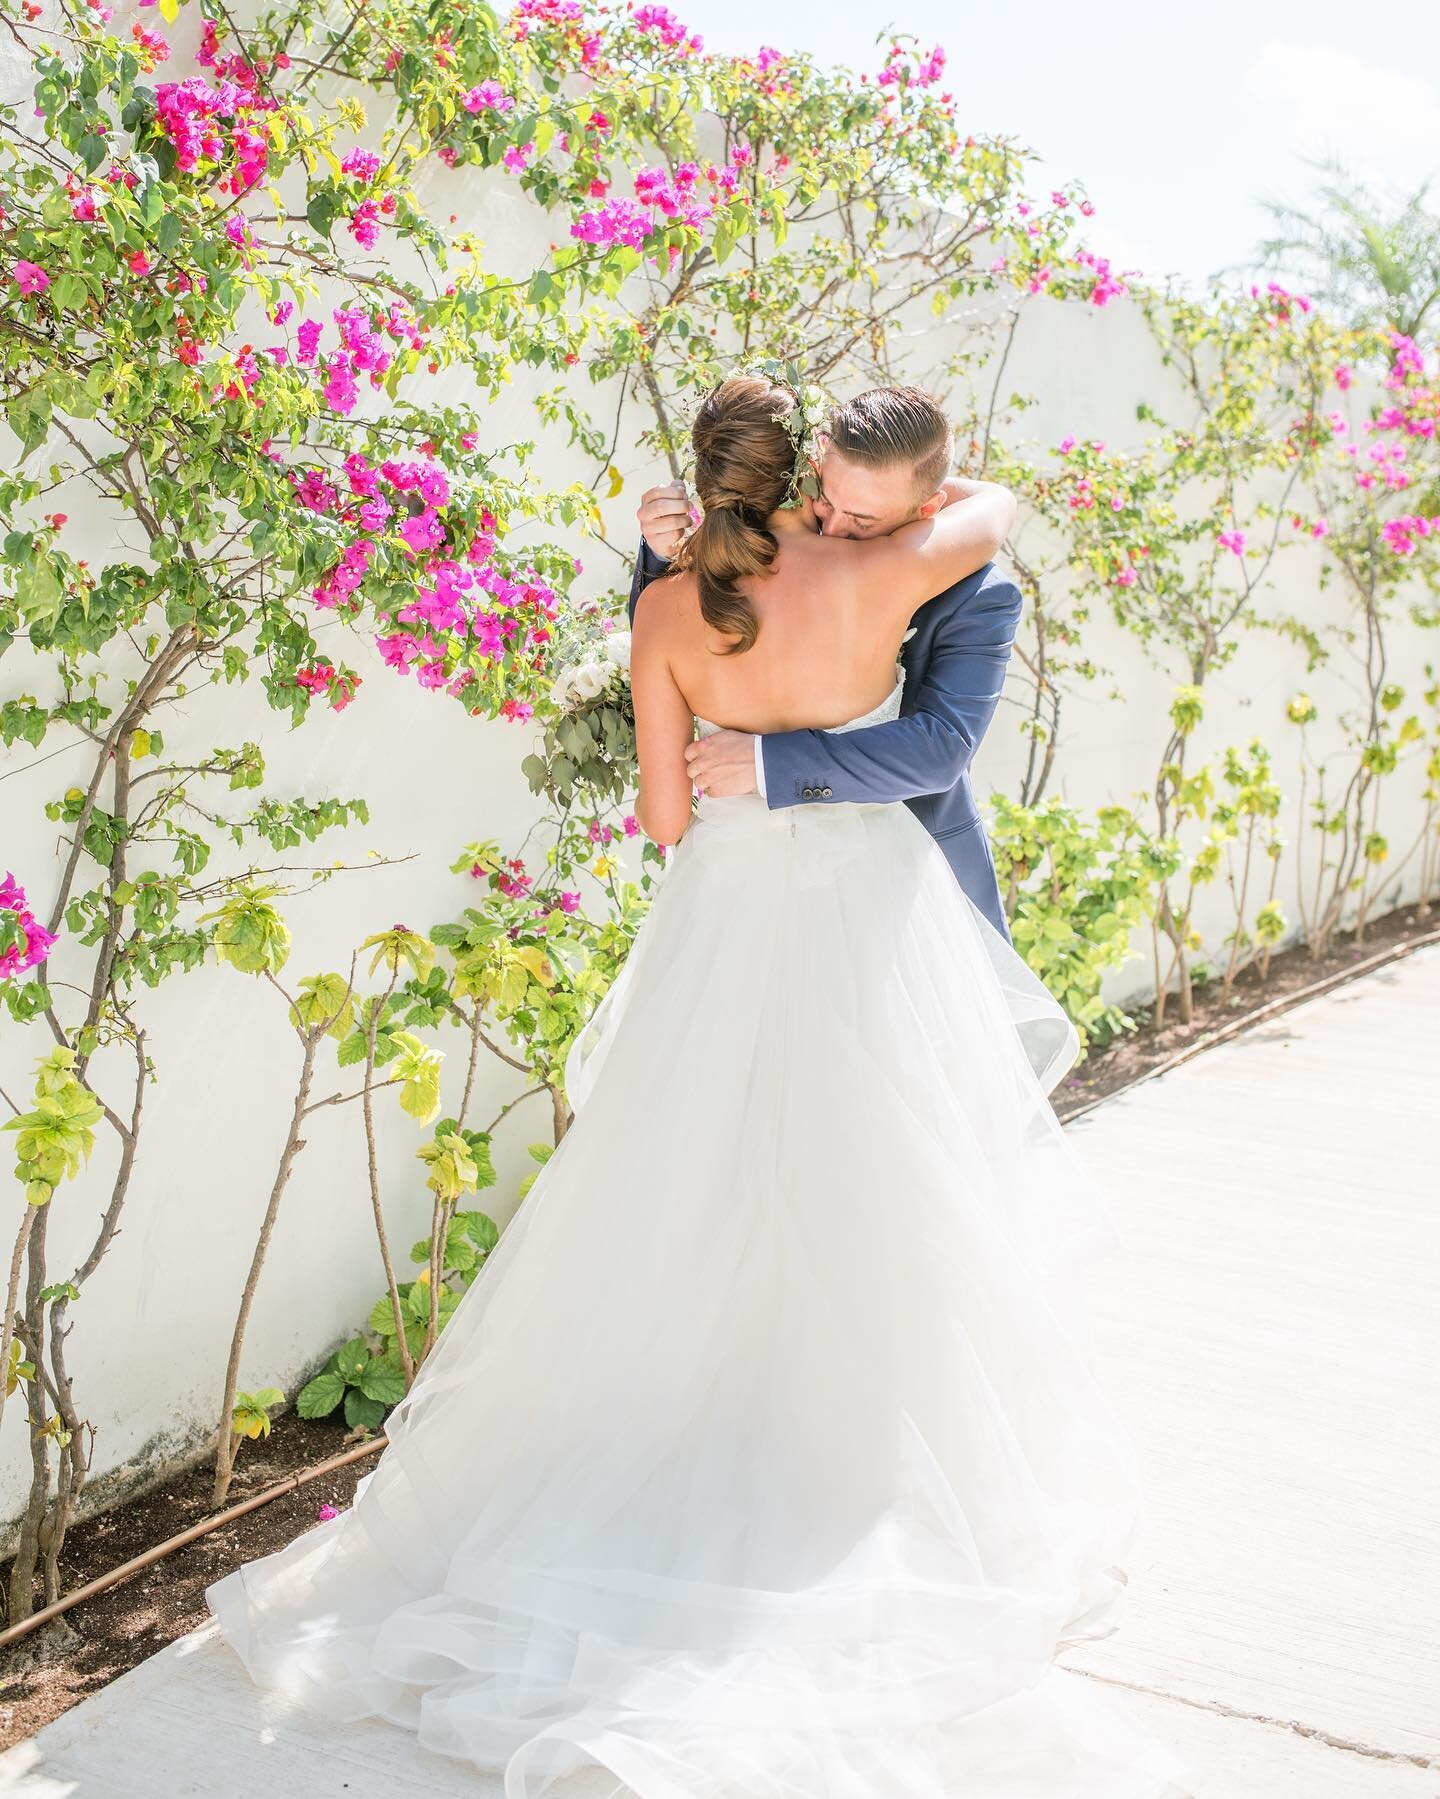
(727, 545)
(744, 466)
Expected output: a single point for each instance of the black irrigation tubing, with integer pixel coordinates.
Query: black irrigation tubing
(1206, 1040)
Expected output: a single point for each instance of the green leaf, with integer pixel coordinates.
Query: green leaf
(382, 1317)
(383, 1380)
(321, 212)
(359, 1410)
(319, 1397)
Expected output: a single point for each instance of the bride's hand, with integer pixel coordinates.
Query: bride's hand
(722, 764)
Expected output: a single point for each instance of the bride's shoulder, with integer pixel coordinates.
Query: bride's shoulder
(668, 598)
(667, 609)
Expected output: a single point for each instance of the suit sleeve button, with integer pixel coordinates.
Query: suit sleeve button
(825, 793)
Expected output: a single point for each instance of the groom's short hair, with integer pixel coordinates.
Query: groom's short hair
(890, 425)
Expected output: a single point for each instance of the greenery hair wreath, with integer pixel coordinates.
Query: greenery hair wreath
(804, 420)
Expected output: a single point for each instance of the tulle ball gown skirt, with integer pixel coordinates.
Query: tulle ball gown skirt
(764, 1458)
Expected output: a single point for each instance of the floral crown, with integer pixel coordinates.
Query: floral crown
(804, 419)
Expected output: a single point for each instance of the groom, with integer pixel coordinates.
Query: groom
(885, 461)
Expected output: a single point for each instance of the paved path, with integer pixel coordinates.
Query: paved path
(1271, 1331)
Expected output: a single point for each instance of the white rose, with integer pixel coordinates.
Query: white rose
(560, 689)
(617, 648)
(589, 681)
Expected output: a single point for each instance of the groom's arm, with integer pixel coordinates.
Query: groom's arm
(929, 749)
(665, 519)
(648, 567)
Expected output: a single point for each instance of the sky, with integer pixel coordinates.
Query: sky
(1179, 120)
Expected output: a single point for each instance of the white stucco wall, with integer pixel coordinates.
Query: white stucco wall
(152, 1329)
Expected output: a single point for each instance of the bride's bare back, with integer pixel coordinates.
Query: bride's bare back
(832, 613)
(823, 656)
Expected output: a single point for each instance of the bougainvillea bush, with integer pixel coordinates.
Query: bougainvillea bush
(238, 352)
(1281, 429)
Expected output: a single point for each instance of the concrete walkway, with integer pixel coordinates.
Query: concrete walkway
(1271, 1331)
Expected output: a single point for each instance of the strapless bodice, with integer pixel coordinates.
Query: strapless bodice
(888, 708)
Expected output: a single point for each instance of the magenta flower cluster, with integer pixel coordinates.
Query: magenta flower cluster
(1403, 536)
(925, 71)
(673, 193)
(1107, 283)
(459, 595)
(660, 22)
(24, 941)
(191, 114)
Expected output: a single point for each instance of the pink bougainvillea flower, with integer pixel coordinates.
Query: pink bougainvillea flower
(340, 389)
(660, 22)
(423, 531)
(364, 165)
(24, 941)
(1403, 535)
(489, 96)
(1234, 541)
(365, 224)
(930, 70)
(398, 651)
(29, 277)
(616, 222)
(517, 156)
(155, 47)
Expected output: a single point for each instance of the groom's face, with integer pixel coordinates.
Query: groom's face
(858, 500)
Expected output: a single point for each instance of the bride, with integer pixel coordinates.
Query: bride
(763, 1459)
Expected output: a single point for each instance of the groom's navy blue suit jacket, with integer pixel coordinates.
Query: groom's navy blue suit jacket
(955, 664)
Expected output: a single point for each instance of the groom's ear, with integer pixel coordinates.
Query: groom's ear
(930, 507)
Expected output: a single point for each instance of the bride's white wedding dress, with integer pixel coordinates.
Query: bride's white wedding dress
(763, 1459)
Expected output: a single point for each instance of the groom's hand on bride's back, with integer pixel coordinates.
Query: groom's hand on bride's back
(665, 517)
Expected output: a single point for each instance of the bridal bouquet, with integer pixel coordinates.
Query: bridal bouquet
(588, 742)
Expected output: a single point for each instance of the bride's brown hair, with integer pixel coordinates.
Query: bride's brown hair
(744, 465)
